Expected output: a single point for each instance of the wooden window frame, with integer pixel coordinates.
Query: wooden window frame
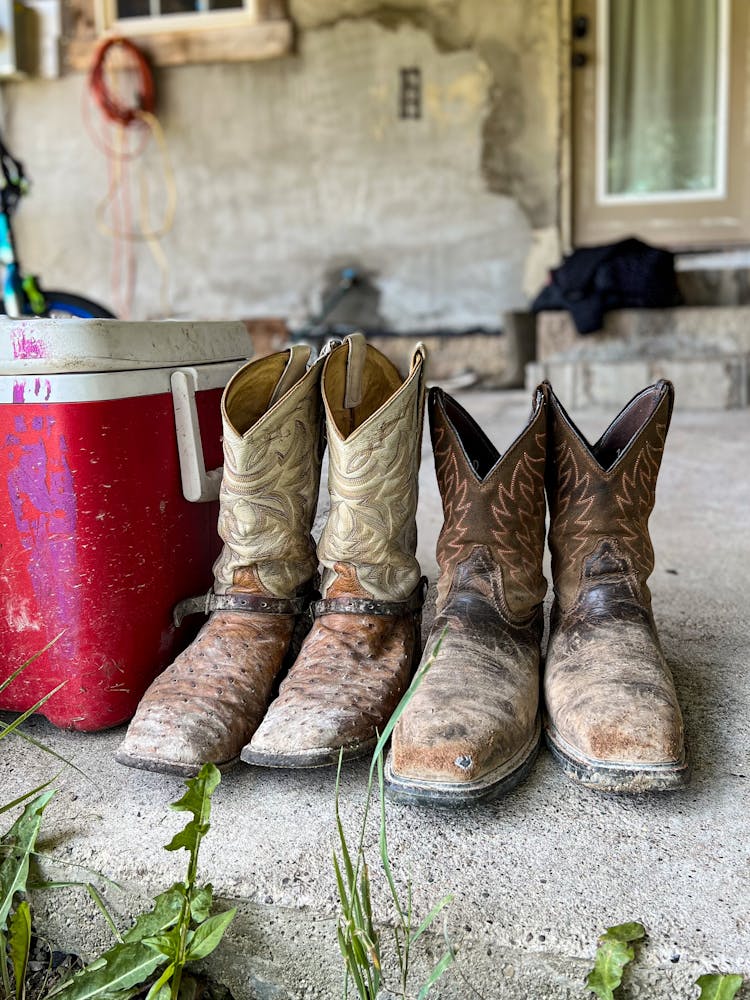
(258, 30)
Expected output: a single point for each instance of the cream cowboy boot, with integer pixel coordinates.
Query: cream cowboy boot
(206, 705)
(357, 660)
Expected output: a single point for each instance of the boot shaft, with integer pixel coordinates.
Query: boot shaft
(273, 443)
(374, 427)
(601, 497)
(493, 505)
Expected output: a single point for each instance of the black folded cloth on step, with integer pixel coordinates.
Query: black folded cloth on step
(630, 274)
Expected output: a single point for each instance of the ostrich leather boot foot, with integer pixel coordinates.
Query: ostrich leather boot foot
(358, 658)
(471, 729)
(206, 705)
(612, 717)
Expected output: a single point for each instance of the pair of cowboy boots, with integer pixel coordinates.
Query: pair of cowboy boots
(350, 669)
(611, 717)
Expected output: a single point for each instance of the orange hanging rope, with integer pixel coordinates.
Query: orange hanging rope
(113, 109)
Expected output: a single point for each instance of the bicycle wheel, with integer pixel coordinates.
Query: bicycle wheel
(66, 304)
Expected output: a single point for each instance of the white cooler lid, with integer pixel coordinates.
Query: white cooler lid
(58, 346)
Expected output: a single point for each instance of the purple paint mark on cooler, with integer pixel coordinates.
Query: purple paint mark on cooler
(27, 347)
(20, 423)
(37, 423)
(48, 393)
(19, 388)
(37, 386)
(42, 497)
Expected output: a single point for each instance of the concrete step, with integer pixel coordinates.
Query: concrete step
(705, 383)
(705, 351)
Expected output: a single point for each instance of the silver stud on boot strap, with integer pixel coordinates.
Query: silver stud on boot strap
(372, 606)
(209, 602)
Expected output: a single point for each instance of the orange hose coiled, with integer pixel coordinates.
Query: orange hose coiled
(112, 108)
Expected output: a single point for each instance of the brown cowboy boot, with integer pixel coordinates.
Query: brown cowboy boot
(613, 720)
(357, 660)
(206, 705)
(472, 728)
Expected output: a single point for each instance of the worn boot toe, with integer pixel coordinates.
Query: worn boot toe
(349, 676)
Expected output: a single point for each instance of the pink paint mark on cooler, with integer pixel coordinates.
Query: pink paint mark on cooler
(42, 497)
(27, 347)
(19, 388)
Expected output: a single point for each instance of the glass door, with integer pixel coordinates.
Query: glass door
(660, 124)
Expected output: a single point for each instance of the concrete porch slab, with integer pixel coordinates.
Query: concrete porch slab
(536, 876)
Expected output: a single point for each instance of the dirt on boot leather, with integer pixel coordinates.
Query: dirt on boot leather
(472, 728)
(206, 705)
(358, 658)
(612, 716)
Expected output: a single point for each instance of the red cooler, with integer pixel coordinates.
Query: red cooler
(107, 513)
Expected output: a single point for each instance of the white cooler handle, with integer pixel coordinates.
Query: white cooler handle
(199, 484)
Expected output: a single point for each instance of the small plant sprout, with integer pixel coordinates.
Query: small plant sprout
(358, 937)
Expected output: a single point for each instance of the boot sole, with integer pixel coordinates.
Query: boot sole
(452, 794)
(303, 759)
(168, 766)
(619, 779)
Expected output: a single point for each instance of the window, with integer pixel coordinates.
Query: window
(173, 32)
(660, 121)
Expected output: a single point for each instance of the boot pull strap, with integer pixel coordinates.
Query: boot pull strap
(295, 368)
(355, 365)
(419, 354)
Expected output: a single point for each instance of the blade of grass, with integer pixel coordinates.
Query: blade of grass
(53, 753)
(35, 656)
(27, 795)
(11, 728)
(436, 973)
(4, 977)
(430, 917)
(92, 891)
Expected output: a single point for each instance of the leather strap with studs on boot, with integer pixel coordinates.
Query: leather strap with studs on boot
(358, 658)
(206, 705)
(472, 728)
(612, 717)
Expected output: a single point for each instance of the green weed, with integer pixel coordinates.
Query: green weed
(616, 951)
(358, 936)
(178, 929)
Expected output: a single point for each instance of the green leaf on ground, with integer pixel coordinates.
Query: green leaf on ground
(196, 800)
(208, 935)
(120, 968)
(200, 904)
(613, 954)
(19, 946)
(718, 986)
(165, 913)
(20, 841)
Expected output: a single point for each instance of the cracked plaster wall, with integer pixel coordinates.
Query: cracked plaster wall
(290, 168)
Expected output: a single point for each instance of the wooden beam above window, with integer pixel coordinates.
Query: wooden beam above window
(266, 35)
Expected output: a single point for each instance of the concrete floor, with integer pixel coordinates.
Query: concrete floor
(536, 876)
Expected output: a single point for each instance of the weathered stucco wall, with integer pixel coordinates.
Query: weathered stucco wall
(288, 169)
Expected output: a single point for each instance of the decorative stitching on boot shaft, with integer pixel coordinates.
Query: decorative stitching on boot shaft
(269, 492)
(502, 511)
(590, 504)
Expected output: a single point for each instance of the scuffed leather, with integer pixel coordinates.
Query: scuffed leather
(609, 692)
(346, 682)
(353, 668)
(477, 706)
(207, 704)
